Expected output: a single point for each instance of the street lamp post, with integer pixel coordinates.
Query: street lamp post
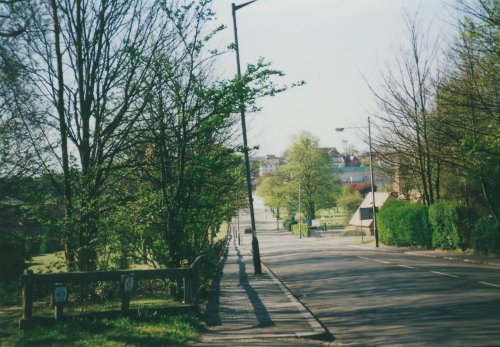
(300, 221)
(375, 231)
(255, 242)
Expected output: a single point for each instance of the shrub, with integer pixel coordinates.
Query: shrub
(288, 224)
(445, 223)
(12, 254)
(401, 223)
(486, 236)
(304, 229)
(12, 246)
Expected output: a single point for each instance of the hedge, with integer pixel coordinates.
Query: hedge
(445, 223)
(287, 224)
(401, 223)
(304, 229)
(486, 236)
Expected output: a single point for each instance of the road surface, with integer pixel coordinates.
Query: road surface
(373, 298)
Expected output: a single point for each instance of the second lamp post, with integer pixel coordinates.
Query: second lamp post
(375, 232)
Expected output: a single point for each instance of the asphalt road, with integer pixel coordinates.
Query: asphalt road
(371, 298)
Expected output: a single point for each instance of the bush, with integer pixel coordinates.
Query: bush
(304, 229)
(401, 223)
(486, 236)
(12, 245)
(445, 223)
(12, 254)
(287, 224)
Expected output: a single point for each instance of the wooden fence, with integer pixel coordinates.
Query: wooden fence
(127, 279)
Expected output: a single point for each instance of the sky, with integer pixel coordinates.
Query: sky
(335, 46)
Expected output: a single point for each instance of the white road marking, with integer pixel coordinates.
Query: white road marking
(490, 284)
(364, 258)
(382, 261)
(408, 267)
(444, 274)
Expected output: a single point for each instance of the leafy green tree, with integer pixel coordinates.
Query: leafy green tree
(312, 168)
(349, 200)
(275, 191)
(307, 168)
(186, 152)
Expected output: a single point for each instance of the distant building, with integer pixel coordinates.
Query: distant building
(337, 158)
(268, 164)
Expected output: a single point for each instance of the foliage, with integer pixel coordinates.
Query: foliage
(349, 201)
(123, 117)
(145, 330)
(288, 224)
(439, 124)
(12, 244)
(363, 188)
(304, 229)
(401, 223)
(307, 172)
(486, 236)
(444, 220)
(274, 190)
(406, 139)
(311, 168)
(10, 293)
(468, 108)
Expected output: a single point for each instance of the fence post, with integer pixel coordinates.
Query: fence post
(59, 299)
(27, 300)
(188, 287)
(126, 288)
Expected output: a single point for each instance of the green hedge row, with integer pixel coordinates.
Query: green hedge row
(401, 223)
(444, 225)
(304, 229)
(486, 236)
(287, 224)
(445, 222)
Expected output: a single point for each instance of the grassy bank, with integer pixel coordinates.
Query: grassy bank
(145, 330)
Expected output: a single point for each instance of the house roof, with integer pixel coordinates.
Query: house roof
(380, 199)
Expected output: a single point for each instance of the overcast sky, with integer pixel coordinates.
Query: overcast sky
(331, 44)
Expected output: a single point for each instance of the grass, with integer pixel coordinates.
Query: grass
(145, 330)
(149, 328)
(222, 232)
(50, 262)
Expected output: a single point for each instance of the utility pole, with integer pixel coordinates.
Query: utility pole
(375, 231)
(255, 242)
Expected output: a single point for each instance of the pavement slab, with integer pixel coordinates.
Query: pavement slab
(251, 308)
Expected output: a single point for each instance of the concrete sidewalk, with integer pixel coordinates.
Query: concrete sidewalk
(255, 310)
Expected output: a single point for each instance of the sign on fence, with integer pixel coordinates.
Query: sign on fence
(60, 294)
(128, 283)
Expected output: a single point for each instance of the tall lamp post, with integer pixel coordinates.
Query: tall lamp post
(255, 242)
(300, 217)
(375, 232)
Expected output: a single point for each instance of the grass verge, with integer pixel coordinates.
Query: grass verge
(149, 329)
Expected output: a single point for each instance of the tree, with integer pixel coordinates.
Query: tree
(88, 72)
(308, 166)
(467, 103)
(407, 139)
(349, 200)
(186, 156)
(131, 116)
(275, 191)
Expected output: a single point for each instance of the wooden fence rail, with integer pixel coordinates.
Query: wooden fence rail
(126, 278)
